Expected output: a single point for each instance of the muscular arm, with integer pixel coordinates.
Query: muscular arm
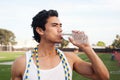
(96, 69)
(17, 68)
(100, 70)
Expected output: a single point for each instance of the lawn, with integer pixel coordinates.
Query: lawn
(5, 72)
(9, 56)
(112, 66)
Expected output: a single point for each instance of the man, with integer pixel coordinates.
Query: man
(47, 62)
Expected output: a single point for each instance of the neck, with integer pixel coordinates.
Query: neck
(46, 49)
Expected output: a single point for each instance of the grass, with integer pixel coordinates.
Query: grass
(112, 66)
(5, 72)
(9, 56)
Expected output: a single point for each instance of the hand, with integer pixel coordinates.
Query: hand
(79, 39)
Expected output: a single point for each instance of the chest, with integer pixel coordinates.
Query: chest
(54, 70)
(55, 73)
(50, 66)
(46, 63)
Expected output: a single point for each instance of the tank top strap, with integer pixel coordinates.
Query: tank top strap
(61, 52)
(28, 56)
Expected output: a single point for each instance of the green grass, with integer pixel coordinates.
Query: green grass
(5, 72)
(9, 56)
(112, 66)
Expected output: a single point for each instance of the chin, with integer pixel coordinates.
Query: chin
(59, 41)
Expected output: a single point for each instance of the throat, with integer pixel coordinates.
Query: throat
(44, 52)
(47, 55)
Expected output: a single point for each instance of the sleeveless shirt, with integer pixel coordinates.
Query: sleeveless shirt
(56, 73)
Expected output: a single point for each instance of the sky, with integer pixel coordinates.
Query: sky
(99, 19)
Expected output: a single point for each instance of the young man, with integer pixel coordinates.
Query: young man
(48, 63)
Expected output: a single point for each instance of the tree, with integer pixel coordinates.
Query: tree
(64, 43)
(116, 42)
(7, 37)
(101, 43)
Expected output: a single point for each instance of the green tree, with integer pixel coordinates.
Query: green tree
(64, 43)
(7, 37)
(101, 43)
(116, 42)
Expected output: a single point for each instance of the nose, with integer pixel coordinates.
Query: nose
(60, 29)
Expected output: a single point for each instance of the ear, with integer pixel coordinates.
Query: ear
(39, 31)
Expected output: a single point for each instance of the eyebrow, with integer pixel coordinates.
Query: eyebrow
(57, 24)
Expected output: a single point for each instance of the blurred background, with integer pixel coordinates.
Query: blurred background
(100, 20)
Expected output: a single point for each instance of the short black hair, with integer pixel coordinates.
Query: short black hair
(40, 20)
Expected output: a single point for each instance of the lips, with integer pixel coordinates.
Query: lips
(60, 35)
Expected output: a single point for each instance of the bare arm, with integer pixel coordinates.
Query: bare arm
(96, 69)
(17, 69)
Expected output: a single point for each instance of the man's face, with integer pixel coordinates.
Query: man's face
(53, 32)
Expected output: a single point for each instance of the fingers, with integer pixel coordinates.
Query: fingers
(79, 36)
(71, 40)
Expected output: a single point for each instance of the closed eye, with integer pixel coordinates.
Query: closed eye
(56, 24)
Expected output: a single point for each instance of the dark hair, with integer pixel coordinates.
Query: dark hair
(40, 20)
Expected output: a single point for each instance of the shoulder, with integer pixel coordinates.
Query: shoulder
(72, 56)
(18, 66)
(20, 60)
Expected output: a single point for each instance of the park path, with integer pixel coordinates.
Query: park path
(6, 63)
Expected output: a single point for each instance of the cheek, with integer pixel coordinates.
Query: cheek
(51, 32)
(50, 35)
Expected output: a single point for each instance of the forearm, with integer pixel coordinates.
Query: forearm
(98, 66)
